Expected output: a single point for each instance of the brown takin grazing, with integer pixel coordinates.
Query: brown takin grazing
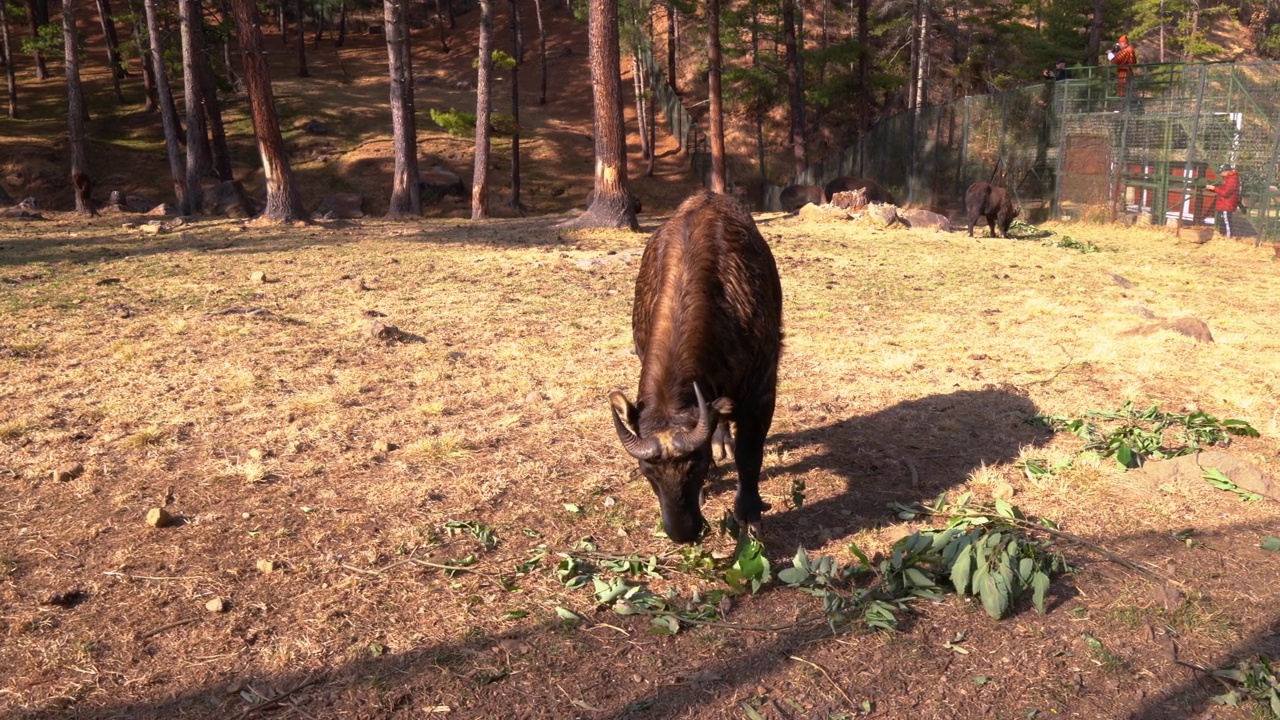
(707, 323)
(875, 192)
(794, 197)
(993, 203)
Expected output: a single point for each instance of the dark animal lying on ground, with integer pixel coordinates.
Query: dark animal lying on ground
(875, 193)
(707, 323)
(993, 203)
(794, 197)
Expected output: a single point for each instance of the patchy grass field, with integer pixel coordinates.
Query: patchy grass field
(314, 470)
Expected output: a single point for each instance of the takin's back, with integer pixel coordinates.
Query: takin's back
(708, 302)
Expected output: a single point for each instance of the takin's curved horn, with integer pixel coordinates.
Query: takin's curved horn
(636, 447)
(687, 442)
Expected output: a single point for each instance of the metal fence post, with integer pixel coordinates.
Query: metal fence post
(1192, 139)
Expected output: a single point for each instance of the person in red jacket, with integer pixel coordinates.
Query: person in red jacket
(1228, 195)
(1123, 56)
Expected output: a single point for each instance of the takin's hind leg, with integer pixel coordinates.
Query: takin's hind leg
(722, 443)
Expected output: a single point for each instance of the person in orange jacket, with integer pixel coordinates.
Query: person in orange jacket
(1228, 195)
(1122, 56)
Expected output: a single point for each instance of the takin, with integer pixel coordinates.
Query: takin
(707, 323)
(794, 197)
(875, 192)
(993, 203)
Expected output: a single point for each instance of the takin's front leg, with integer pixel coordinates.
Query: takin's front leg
(722, 442)
(748, 506)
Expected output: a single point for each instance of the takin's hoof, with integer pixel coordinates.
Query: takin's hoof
(751, 516)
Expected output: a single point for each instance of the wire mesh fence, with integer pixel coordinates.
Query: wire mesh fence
(683, 127)
(1140, 146)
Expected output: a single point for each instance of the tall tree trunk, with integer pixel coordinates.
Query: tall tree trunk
(1094, 48)
(480, 178)
(11, 82)
(795, 88)
(673, 19)
(168, 113)
(1195, 29)
(517, 51)
(647, 82)
(718, 179)
(406, 184)
(75, 113)
(864, 68)
(112, 41)
(283, 202)
(444, 42)
(33, 24)
(758, 102)
(199, 159)
(213, 114)
(637, 83)
(232, 76)
(922, 68)
(148, 71)
(915, 54)
(342, 27)
(302, 41)
(1162, 31)
(612, 204)
(542, 52)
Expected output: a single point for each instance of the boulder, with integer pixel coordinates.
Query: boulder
(925, 219)
(882, 216)
(343, 206)
(437, 183)
(229, 199)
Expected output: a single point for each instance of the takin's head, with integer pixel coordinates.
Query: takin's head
(674, 457)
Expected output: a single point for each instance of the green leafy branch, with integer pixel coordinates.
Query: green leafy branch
(1256, 680)
(1133, 436)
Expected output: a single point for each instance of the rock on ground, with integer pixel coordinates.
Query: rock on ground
(343, 206)
(925, 219)
(1190, 469)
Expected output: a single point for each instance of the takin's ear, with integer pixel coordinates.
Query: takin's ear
(625, 411)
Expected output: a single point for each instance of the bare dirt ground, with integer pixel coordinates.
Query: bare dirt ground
(324, 481)
(314, 471)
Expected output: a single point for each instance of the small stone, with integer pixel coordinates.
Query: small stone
(68, 473)
(266, 566)
(1003, 491)
(256, 454)
(216, 605)
(152, 229)
(258, 276)
(382, 446)
(245, 516)
(159, 517)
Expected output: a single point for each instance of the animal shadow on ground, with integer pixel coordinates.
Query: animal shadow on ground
(908, 452)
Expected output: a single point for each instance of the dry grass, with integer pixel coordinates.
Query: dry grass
(912, 362)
